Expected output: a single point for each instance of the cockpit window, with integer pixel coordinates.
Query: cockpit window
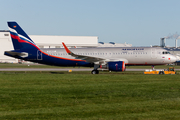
(165, 52)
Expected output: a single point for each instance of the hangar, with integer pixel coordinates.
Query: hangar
(47, 41)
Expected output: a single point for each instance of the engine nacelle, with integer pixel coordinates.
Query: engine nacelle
(116, 66)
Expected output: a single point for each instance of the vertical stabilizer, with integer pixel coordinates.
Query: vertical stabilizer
(19, 38)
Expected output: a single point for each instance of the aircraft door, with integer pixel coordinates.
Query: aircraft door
(153, 53)
(39, 55)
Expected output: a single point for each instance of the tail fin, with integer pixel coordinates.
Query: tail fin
(19, 38)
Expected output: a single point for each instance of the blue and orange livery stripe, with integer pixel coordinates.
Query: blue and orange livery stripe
(24, 41)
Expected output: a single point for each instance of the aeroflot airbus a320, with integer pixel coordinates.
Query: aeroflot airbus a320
(112, 58)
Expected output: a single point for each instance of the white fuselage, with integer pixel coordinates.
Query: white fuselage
(130, 55)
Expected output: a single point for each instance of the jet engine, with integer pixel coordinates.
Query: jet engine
(116, 66)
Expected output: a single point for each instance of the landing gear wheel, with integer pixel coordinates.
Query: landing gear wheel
(94, 72)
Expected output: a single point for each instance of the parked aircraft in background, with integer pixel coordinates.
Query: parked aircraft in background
(113, 59)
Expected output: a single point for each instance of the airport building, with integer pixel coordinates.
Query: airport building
(46, 41)
(112, 44)
(173, 50)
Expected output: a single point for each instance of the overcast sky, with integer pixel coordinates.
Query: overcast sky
(137, 22)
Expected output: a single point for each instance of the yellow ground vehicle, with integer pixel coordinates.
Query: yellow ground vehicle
(170, 70)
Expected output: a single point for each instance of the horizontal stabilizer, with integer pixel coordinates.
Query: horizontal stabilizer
(18, 54)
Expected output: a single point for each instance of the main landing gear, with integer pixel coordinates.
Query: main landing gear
(95, 71)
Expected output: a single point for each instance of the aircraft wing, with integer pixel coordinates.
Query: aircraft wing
(83, 57)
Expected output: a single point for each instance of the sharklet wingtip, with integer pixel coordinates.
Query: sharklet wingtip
(67, 50)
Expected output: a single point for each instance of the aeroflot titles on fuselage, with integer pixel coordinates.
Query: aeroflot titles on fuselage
(133, 49)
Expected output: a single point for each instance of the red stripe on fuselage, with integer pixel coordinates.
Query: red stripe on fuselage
(24, 41)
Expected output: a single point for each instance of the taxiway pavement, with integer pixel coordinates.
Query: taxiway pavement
(59, 69)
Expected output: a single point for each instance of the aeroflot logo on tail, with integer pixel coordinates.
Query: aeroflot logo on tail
(134, 49)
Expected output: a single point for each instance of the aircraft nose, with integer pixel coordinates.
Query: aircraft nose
(177, 58)
(173, 58)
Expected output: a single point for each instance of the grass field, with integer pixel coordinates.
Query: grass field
(80, 95)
